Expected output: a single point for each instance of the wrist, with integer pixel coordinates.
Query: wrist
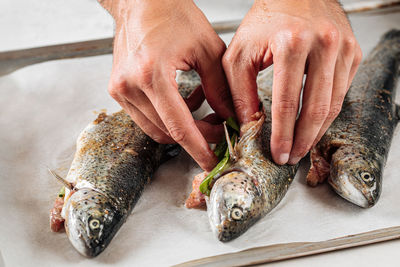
(106, 4)
(117, 8)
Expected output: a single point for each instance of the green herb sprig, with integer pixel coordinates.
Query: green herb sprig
(222, 153)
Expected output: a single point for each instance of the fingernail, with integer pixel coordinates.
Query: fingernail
(294, 160)
(283, 158)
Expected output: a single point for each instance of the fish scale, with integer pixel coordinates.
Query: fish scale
(353, 151)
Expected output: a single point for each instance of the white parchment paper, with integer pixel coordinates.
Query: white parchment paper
(43, 108)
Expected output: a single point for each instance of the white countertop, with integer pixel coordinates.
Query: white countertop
(44, 107)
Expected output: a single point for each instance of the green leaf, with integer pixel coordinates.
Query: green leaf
(205, 185)
(221, 166)
(220, 149)
(233, 124)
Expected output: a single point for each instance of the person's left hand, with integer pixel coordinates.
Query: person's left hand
(298, 37)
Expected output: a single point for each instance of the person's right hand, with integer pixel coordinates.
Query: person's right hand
(153, 39)
(312, 37)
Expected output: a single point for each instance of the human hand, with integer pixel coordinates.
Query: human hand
(298, 37)
(152, 40)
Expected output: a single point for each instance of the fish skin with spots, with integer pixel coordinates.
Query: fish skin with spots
(113, 163)
(253, 184)
(353, 152)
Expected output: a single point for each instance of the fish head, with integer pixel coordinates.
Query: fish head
(233, 206)
(91, 221)
(356, 175)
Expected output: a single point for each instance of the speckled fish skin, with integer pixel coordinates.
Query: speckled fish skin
(253, 185)
(112, 165)
(355, 147)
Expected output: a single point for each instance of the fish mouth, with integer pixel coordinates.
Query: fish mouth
(84, 248)
(349, 191)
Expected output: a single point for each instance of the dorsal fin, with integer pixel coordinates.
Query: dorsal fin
(232, 153)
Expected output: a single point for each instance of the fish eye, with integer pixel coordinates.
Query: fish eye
(94, 224)
(367, 177)
(237, 214)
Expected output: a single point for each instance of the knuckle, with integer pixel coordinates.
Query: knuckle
(239, 104)
(325, 80)
(318, 113)
(329, 36)
(301, 148)
(146, 61)
(281, 142)
(118, 86)
(291, 41)
(219, 49)
(334, 111)
(160, 139)
(349, 44)
(143, 73)
(358, 56)
(177, 133)
(285, 143)
(286, 107)
(338, 100)
(228, 59)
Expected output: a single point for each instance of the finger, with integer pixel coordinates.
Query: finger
(212, 133)
(195, 99)
(214, 82)
(338, 93)
(241, 76)
(177, 118)
(341, 83)
(316, 102)
(356, 63)
(141, 102)
(286, 88)
(213, 118)
(146, 125)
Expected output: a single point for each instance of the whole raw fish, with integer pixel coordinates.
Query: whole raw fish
(353, 151)
(253, 185)
(113, 163)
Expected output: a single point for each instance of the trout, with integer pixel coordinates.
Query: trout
(253, 184)
(113, 163)
(353, 152)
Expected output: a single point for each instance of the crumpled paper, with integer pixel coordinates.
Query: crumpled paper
(44, 108)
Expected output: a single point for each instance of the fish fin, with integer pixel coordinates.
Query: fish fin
(67, 184)
(232, 152)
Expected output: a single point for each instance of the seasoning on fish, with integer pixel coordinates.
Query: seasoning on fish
(113, 163)
(353, 151)
(253, 184)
